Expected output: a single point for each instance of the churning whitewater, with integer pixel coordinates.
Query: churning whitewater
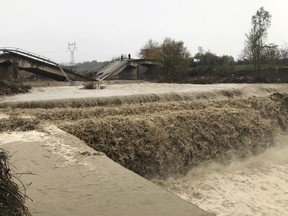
(257, 186)
(221, 147)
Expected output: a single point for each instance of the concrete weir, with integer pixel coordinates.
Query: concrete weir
(70, 178)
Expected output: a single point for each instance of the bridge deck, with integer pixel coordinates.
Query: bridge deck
(115, 67)
(43, 66)
(39, 65)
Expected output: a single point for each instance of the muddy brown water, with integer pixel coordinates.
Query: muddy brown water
(70, 179)
(256, 186)
(214, 146)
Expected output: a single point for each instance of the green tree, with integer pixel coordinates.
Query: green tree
(284, 53)
(176, 60)
(209, 63)
(271, 54)
(174, 55)
(255, 39)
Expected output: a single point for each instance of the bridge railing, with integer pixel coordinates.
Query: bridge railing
(34, 56)
(27, 54)
(117, 68)
(103, 67)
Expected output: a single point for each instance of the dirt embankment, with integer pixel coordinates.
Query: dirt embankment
(164, 139)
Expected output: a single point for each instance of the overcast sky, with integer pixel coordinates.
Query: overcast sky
(103, 29)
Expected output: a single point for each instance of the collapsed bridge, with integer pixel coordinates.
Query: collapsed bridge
(15, 58)
(12, 59)
(125, 68)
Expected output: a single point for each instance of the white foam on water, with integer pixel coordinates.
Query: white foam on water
(3, 116)
(28, 136)
(257, 186)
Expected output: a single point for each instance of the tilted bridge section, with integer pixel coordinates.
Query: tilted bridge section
(115, 67)
(39, 65)
(43, 66)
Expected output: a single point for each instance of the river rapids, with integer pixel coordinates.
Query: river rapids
(225, 150)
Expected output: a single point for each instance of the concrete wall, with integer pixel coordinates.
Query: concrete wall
(129, 73)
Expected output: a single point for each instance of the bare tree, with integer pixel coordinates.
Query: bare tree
(151, 50)
(255, 39)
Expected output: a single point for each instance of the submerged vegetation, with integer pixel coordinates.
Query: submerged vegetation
(11, 199)
(8, 88)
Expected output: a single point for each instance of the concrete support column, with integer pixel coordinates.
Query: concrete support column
(138, 72)
(8, 71)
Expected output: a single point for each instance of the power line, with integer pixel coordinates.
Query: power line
(72, 48)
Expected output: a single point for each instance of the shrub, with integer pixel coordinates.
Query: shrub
(11, 199)
(93, 85)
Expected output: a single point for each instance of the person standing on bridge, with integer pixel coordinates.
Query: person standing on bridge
(129, 56)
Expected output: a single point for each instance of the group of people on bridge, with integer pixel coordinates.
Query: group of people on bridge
(125, 57)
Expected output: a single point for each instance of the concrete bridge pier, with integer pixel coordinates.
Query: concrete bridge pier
(133, 73)
(33, 63)
(129, 73)
(8, 71)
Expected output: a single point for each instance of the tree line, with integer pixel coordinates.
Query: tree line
(179, 64)
(256, 49)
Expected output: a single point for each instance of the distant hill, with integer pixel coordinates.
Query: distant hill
(88, 67)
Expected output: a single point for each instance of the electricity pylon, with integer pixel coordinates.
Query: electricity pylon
(72, 48)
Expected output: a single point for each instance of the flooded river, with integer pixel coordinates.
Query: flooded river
(257, 186)
(158, 132)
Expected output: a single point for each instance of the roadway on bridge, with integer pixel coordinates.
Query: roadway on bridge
(39, 65)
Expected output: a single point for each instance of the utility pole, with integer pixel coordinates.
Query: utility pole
(72, 48)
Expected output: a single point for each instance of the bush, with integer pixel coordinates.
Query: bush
(93, 85)
(11, 199)
(90, 85)
(13, 88)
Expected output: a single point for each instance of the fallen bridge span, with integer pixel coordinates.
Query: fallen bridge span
(24, 60)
